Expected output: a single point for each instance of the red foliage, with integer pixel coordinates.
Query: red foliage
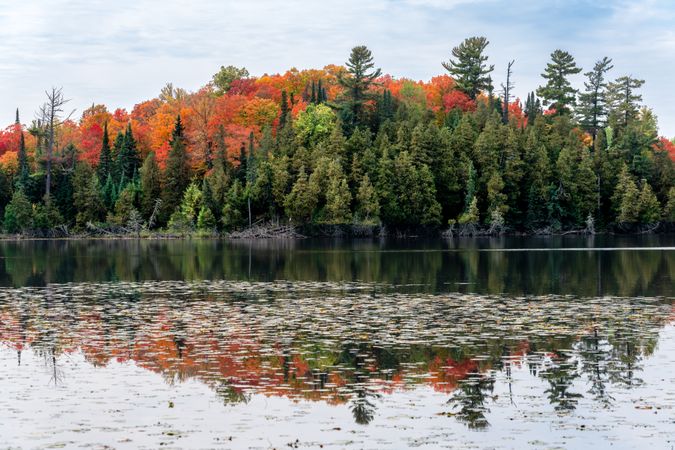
(666, 145)
(457, 99)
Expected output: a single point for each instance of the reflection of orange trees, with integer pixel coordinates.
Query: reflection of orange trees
(234, 346)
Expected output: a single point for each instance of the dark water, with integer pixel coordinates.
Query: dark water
(509, 343)
(582, 266)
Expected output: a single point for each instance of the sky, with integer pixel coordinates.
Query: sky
(121, 53)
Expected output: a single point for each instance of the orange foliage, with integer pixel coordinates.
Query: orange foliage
(10, 162)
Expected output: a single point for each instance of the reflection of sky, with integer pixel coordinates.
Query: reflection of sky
(123, 52)
(125, 406)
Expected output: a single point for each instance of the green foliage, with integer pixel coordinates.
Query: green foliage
(151, 187)
(650, 210)
(469, 68)
(669, 210)
(368, 205)
(593, 101)
(105, 161)
(192, 202)
(177, 174)
(233, 209)
(361, 74)
(46, 215)
(18, 213)
(87, 196)
(206, 220)
(302, 200)
(558, 92)
(314, 124)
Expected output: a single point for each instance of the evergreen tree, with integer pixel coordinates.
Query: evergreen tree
(532, 108)
(592, 102)
(18, 213)
(356, 85)
(302, 200)
(338, 196)
(23, 172)
(558, 92)
(177, 173)
(469, 68)
(669, 210)
(87, 196)
(368, 206)
(151, 186)
(650, 210)
(624, 102)
(128, 158)
(105, 162)
(234, 206)
(285, 110)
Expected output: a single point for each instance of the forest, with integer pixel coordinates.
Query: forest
(349, 146)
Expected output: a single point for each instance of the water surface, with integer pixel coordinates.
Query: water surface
(509, 343)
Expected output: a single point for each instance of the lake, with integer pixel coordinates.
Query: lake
(539, 342)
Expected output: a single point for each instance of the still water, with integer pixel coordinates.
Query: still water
(494, 343)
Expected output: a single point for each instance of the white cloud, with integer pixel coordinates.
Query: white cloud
(121, 53)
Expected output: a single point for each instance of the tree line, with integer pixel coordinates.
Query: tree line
(363, 150)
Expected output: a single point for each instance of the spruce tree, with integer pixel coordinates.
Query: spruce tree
(469, 68)
(177, 173)
(105, 162)
(23, 178)
(558, 92)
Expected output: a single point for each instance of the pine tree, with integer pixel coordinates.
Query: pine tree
(592, 103)
(558, 92)
(105, 163)
(469, 68)
(624, 102)
(356, 85)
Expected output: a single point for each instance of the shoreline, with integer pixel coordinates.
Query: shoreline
(331, 232)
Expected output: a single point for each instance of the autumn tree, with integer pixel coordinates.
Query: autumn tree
(469, 67)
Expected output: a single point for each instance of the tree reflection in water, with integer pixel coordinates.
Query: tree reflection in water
(342, 344)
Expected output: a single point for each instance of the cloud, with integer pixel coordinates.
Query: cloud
(121, 53)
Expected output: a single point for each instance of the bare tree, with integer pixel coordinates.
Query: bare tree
(50, 116)
(507, 93)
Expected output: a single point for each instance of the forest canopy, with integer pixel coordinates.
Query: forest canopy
(348, 145)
